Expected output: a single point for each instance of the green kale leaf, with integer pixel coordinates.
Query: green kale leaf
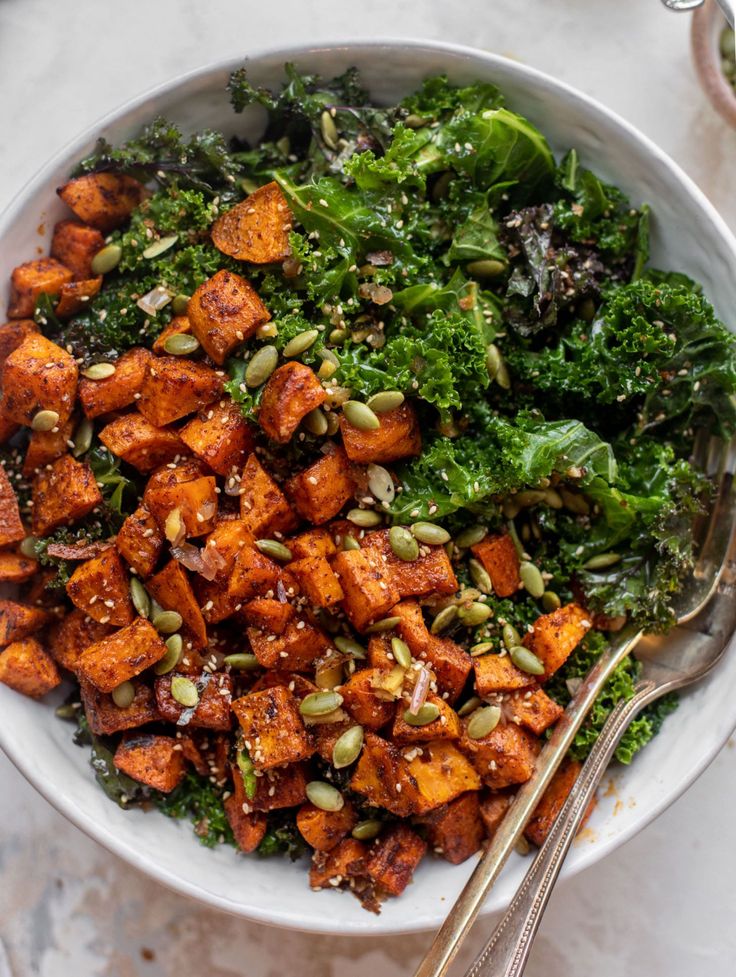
(200, 802)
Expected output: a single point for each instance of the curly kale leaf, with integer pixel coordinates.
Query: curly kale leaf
(87, 532)
(200, 802)
(282, 837)
(118, 786)
(438, 98)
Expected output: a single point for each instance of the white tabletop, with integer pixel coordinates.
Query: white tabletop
(661, 905)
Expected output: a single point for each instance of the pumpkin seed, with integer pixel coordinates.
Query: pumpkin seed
(474, 615)
(441, 186)
(99, 371)
(333, 424)
(427, 714)
(470, 536)
(180, 304)
(444, 619)
(326, 369)
(184, 691)
(347, 747)
(44, 420)
(385, 624)
(261, 366)
(168, 663)
(301, 342)
(338, 336)
(380, 483)
(320, 703)
(28, 547)
(482, 648)
(553, 498)
(601, 561)
(106, 259)
(522, 846)
(511, 637)
(274, 549)
(348, 646)
(365, 518)
(367, 830)
(486, 268)
(574, 501)
(429, 533)
(327, 126)
(167, 622)
(502, 377)
(413, 121)
(242, 661)
(140, 598)
(526, 660)
(324, 796)
(181, 344)
(386, 400)
(161, 246)
(360, 416)
(83, 437)
(550, 601)
(315, 422)
(401, 652)
(67, 710)
(470, 706)
(403, 544)
(510, 508)
(483, 721)
(529, 497)
(350, 542)
(123, 695)
(493, 360)
(531, 578)
(480, 576)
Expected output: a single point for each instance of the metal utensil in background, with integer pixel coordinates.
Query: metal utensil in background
(683, 6)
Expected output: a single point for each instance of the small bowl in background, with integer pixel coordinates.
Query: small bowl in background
(707, 27)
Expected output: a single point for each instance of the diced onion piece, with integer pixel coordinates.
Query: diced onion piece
(156, 299)
(421, 688)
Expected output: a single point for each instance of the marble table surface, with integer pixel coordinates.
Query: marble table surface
(662, 904)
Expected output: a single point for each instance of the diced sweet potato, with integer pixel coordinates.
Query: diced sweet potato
(456, 830)
(253, 575)
(173, 591)
(224, 312)
(263, 506)
(385, 779)
(12, 335)
(442, 773)
(187, 490)
(140, 444)
(19, 620)
(7, 428)
(16, 568)
(430, 573)
(140, 541)
(42, 276)
(291, 392)
(212, 710)
(397, 437)
(72, 635)
(361, 701)
(220, 436)
(269, 615)
(369, 590)
(450, 664)
(498, 555)
(27, 668)
(75, 245)
(446, 726)
(493, 808)
(156, 761)
(411, 626)
(555, 636)
(100, 588)
(174, 386)
(317, 581)
(105, 718)
(46, 446)
(75, 296)
(320, 491)
(38, 375)
(313, 542)
(63, 493)
(533, 709)
(11, 526)
(122, 655)
(552, 802)
(505, 756)
(104, 200)
(226, 540)
(279, 788)
(293, 650)
(325, 829)
(248, 829)
(272, 727)
(346, 861)
(380, 654)
(394, 857)
(103, 396)
(257, 229)
(497, 673)
(179, 326)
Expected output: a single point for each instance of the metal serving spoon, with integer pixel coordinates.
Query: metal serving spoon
(685, 5)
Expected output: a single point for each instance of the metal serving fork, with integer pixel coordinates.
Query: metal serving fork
(714, 533)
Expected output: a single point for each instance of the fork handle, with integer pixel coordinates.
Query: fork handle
(507, 951)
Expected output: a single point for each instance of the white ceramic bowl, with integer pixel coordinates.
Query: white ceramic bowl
(687, 235)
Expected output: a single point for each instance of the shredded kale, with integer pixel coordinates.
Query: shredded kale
(282, 837)
(198, 801)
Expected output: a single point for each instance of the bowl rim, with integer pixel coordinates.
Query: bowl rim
(78, 816)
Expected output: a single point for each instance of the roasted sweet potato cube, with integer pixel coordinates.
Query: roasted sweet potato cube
(317, 581)
(313, 542)
(103, 396)
(187, 490)
(27, 668)
(257, 229)
(248, 829)
(75, 245)
(394, 857)
(552, 802)
(11, 526)
(42, 276)
(361, 701)
(555, 636)
(385, 779)
(105, 718)
(325, 829)
(140, 542)
(63, 493)
(16, 568)
(75, 296)
(72, 635)
(430, 573)
(223, 312)
(497, 673)
(122, 655)
(411, 626)
(263, 506)
(292, 391)
(253, 575)
(344, 862)
(46, 446)
(533, 709)
(19, 620)
(105, 200)
(455, 830)
(174, 386)
(7, 427)
(493, 808)
(269, 615)
(366, 581)
(298, 685)
(320, 491)
(293, 650)
(38, 375)
(212, 710)
(498, 555)
(226, 540)
(272, 727)
(156, 761)
(505, 756)
(12, 335)
(173, 591)
(446, 726)
(220, 436)
(450, 664)
(140, 444)
(284, 787)
(100, 588)
(397, 437)
(179, 326)
(442, 773)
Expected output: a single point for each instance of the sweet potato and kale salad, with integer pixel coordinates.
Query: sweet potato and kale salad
(330, 463)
